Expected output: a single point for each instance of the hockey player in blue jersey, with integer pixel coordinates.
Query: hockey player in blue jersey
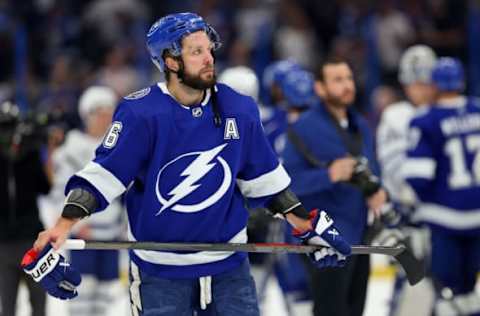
(274, 116)
(186, 154)
(442, 168)
(289, 93)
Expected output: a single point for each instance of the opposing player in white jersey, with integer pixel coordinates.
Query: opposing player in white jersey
(415, 70)
(99, 269)
(443, 169)
(185, 153)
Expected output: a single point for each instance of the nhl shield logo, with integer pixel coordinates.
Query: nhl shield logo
(197, 112)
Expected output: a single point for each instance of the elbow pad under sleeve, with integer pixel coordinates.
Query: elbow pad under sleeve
(79, 203)
(286, 202)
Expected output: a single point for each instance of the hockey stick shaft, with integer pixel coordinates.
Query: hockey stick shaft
(414, 269)
(78, 244)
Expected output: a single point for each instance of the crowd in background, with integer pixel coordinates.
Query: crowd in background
(51, 50)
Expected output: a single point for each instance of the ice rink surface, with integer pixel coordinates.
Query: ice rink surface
(378, 296)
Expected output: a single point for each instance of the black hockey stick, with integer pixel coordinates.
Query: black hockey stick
(414, 269)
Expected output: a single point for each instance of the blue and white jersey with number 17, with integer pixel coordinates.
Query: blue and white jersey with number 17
(443, 165)
(185, 179)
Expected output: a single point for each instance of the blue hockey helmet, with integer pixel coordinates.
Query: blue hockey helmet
(275, 72)
(297, 86)
(448, 74)
(167, 34)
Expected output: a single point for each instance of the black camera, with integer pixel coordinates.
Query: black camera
(21, 133)
(363, 178)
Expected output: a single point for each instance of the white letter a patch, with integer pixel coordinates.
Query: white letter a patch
(231, 130)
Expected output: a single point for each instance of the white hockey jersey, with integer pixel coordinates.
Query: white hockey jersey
(77, 150)
(392, 145)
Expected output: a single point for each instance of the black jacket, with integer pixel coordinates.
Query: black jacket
(21, 181)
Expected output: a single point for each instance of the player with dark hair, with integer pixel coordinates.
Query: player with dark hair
(330, 156)
(185, 153)
(443, 169)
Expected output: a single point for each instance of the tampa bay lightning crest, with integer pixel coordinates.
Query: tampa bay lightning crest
(193, 181)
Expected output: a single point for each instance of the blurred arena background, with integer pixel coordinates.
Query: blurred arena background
(50, 51)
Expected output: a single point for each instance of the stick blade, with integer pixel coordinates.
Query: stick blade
(414, 268)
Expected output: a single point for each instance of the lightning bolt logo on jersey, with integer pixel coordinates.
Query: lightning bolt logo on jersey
(202, 167)
(183, 178)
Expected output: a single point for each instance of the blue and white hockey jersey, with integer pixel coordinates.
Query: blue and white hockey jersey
(443, 165)
(185, 179)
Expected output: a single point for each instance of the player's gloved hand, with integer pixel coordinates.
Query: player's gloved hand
(324, 233)
(54, 274)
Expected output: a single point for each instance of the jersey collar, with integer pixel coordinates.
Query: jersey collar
(163, 87)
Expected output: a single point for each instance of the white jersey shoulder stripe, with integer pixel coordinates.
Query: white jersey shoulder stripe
(103, 180)
(419, 168)
(267, 184)
(447, 217)
(177, 259)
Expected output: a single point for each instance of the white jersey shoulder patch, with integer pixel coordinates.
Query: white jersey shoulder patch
(138, 94)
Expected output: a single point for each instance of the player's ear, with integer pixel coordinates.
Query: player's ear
(319, 88)
(172, 64)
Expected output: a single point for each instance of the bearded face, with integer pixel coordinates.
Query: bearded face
(198, 69)
(203, 79)
(338, 85)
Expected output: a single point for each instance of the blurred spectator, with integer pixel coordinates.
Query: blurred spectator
(393, 34)
(59, 96)
(112, 19)
(117, 71)
(295, 37)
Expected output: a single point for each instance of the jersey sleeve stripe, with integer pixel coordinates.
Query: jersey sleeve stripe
(103, 180)
(267, 184)
(180, 259)
(447, 217)
(419, 168)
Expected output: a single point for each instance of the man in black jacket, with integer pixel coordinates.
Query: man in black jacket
(22, 179)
